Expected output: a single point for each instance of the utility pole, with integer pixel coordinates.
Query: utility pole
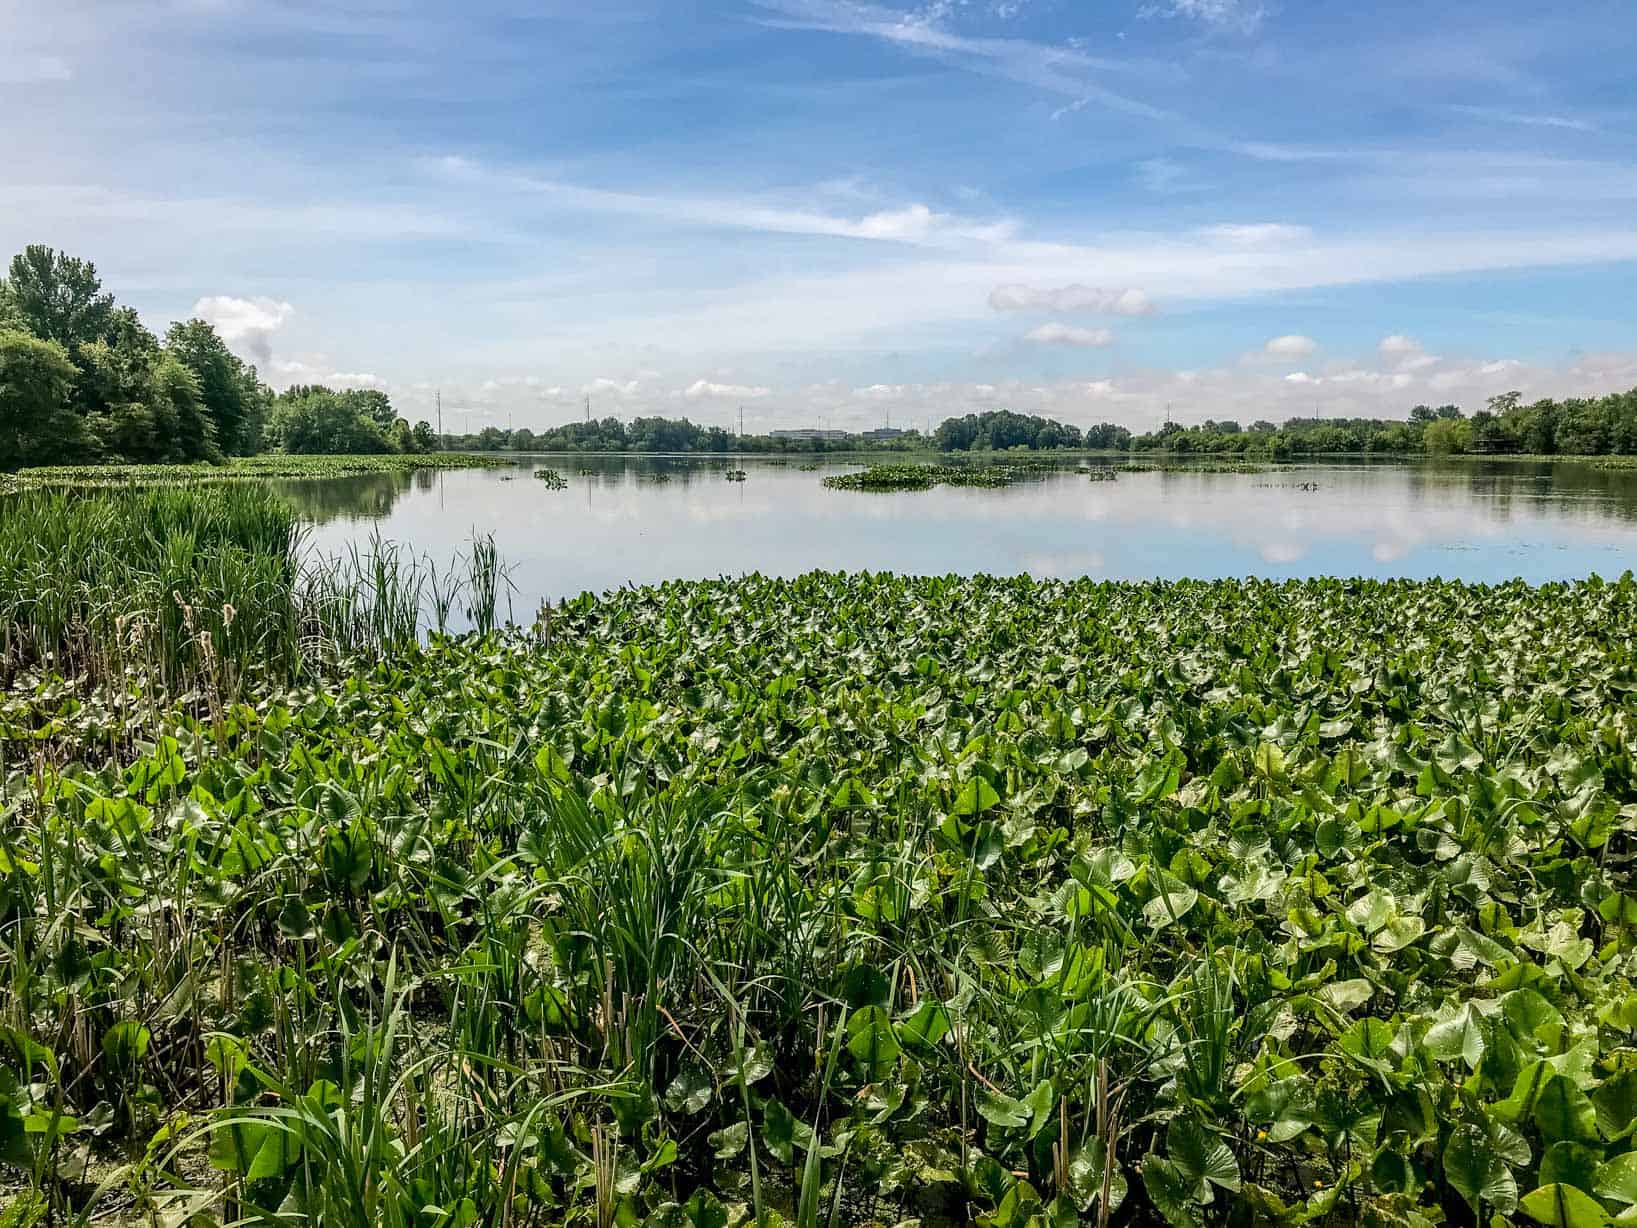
(741, 422)
(439, 395)
(588, 407)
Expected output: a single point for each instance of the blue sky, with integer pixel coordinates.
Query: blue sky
(839, 212)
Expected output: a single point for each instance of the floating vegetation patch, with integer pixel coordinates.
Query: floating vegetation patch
(1101, 473)
(240, 468)
(922, 477)
(978, 899)
(551, 479)
(1204, 466)
(735, 475)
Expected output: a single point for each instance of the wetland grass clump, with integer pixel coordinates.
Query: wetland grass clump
(852, 899)
(248, 468)
(200, 588)
(164, 583)
(922, 477)
(551, 479)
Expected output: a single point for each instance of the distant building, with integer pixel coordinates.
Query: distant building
(881, 434)
(807, 433)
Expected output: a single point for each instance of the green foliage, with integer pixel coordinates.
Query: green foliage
(308, 420)
(57, 298)
(229, 391)
(851, 896)
(924, 477)
(36, 424)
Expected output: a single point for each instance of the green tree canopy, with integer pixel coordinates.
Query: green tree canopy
(314, 419)
(232, 396)
(36, 424)
(57, 297)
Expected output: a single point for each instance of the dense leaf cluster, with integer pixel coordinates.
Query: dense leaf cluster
(853, 898)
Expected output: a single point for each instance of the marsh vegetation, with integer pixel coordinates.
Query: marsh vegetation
(831, 900)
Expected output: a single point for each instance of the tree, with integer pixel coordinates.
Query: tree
(374, 405)
(176, 397)
(36, 424)
(228, 389)
(313, 420)
(1446, 435)
(57, 298)
(426, 439)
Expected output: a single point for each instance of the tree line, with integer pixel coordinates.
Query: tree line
(1577, 426)
(657, 434)
(83, 380)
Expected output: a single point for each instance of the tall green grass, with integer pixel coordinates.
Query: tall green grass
(197, 588)
(173, 584)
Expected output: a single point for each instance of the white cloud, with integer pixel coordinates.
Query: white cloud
(1398, 346)
(1527, 119)
(246, 324)
(1218, 14)
(611, 387)
(35, 70)
(1165, 176)
(314, 371)
(880, 392)
(1067, 334)
(916, 224)
(701, 388)
(1056, 69)
(1257, 234)
(1292, 345)
(1071, 298)
(1282, 552)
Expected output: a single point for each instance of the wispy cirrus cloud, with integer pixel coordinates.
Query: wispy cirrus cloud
(1232, 15)
(1526, 119)
(915, 224)
(1129, 302)
(1066, 71)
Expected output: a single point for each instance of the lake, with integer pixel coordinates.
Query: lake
(634, 520)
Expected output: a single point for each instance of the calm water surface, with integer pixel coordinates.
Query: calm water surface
(632, 521)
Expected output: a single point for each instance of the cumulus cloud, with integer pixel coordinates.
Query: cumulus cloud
(702, 388)
(1067, 334)
(612, 387)
(246, 324)
(316, 371)
(1130, 302)
(1405, 354)
(1292, 345)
